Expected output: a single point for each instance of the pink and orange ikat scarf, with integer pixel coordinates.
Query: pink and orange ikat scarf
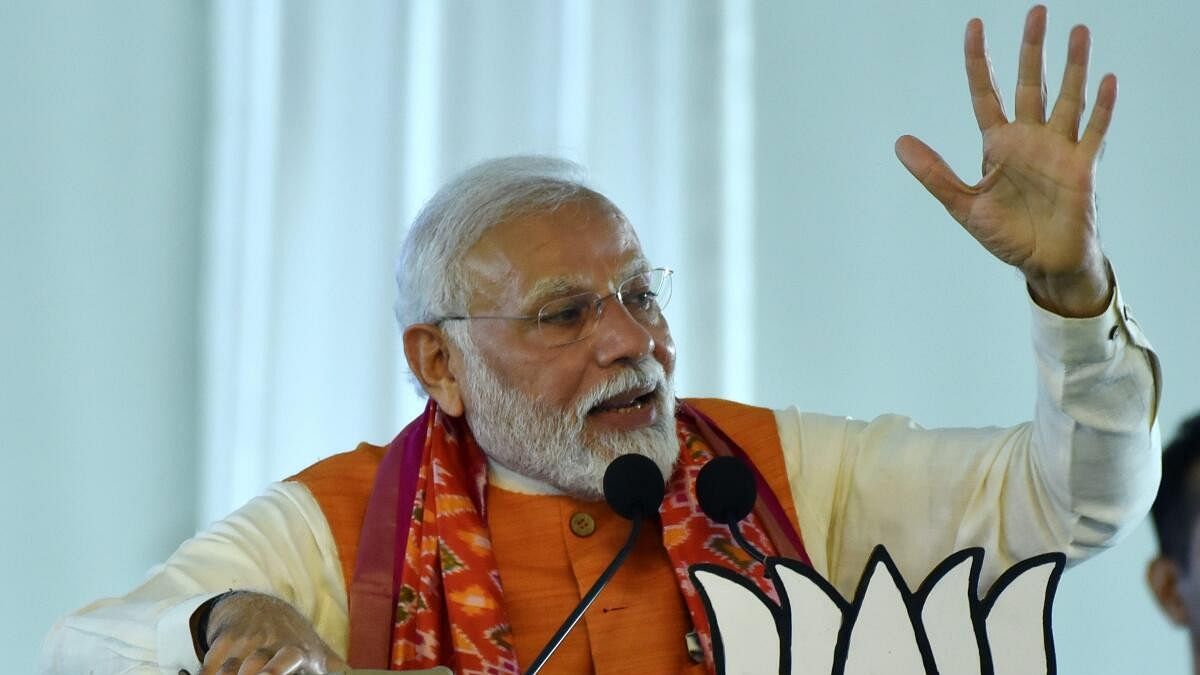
(426, 590)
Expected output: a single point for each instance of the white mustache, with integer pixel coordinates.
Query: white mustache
(645, 373)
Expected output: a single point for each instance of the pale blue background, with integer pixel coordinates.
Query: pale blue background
(871, 298)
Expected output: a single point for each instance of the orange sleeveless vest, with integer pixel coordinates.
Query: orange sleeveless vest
(547, 563)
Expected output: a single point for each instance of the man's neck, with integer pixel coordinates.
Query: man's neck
(507, 479)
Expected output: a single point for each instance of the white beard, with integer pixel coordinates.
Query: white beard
(536, 440)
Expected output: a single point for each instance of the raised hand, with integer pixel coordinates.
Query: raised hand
(1035, 206)
(250, 633)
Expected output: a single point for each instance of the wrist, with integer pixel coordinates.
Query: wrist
(201, 622)
(1082, 294)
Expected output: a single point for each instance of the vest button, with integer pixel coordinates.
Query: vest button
(582, 524)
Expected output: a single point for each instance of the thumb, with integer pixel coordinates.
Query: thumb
(931, 170)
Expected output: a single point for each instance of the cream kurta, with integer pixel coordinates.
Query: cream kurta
(1075, 479)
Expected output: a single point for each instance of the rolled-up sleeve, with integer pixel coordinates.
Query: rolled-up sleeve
(1075, 479)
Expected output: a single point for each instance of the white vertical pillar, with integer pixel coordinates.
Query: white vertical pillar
(421, 146)
(737, 198)
(239, 273)
(574, 80)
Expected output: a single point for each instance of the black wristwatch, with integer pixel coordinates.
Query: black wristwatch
(199, 624)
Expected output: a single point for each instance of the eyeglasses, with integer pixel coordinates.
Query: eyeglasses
(573, 318)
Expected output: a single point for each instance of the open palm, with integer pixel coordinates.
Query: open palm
(1034, 208)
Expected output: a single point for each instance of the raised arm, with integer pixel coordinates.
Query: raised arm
(1084, 471)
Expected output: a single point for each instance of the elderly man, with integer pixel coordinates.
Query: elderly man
(534, 322)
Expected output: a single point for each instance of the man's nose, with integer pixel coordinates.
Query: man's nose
(620, 336)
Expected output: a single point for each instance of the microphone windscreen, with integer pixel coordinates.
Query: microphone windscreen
(633, 484)
(725, 489)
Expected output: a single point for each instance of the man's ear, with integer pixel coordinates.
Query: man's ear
(1165, 579)
(428, 353)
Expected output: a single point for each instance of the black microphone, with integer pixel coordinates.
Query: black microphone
(726, 491)
(633, 487)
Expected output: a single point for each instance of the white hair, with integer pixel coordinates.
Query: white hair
(516, 429)
(429, 272)
(542, 441)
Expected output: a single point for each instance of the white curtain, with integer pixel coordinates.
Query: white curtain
(333, 122)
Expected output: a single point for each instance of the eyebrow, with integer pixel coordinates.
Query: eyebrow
(550, 287)
(560, 286)
(637, 265)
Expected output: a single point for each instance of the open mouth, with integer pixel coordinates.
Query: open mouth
(627, 402)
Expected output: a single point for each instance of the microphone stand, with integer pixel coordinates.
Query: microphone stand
(587, 600)
(736, 530)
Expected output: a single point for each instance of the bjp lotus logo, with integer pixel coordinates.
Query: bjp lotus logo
(944, 626)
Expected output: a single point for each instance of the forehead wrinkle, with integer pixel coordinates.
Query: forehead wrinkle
(569, 285)
(551, 286)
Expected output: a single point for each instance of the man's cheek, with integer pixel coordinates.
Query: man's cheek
(664, 350)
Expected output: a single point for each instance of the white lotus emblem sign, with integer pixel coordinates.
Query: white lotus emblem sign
(943, 626)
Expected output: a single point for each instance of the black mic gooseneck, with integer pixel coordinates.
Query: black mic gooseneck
(726, 491)
(633, 487)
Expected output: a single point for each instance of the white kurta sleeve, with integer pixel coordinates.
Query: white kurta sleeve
(278, 544)
(1075, 479)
